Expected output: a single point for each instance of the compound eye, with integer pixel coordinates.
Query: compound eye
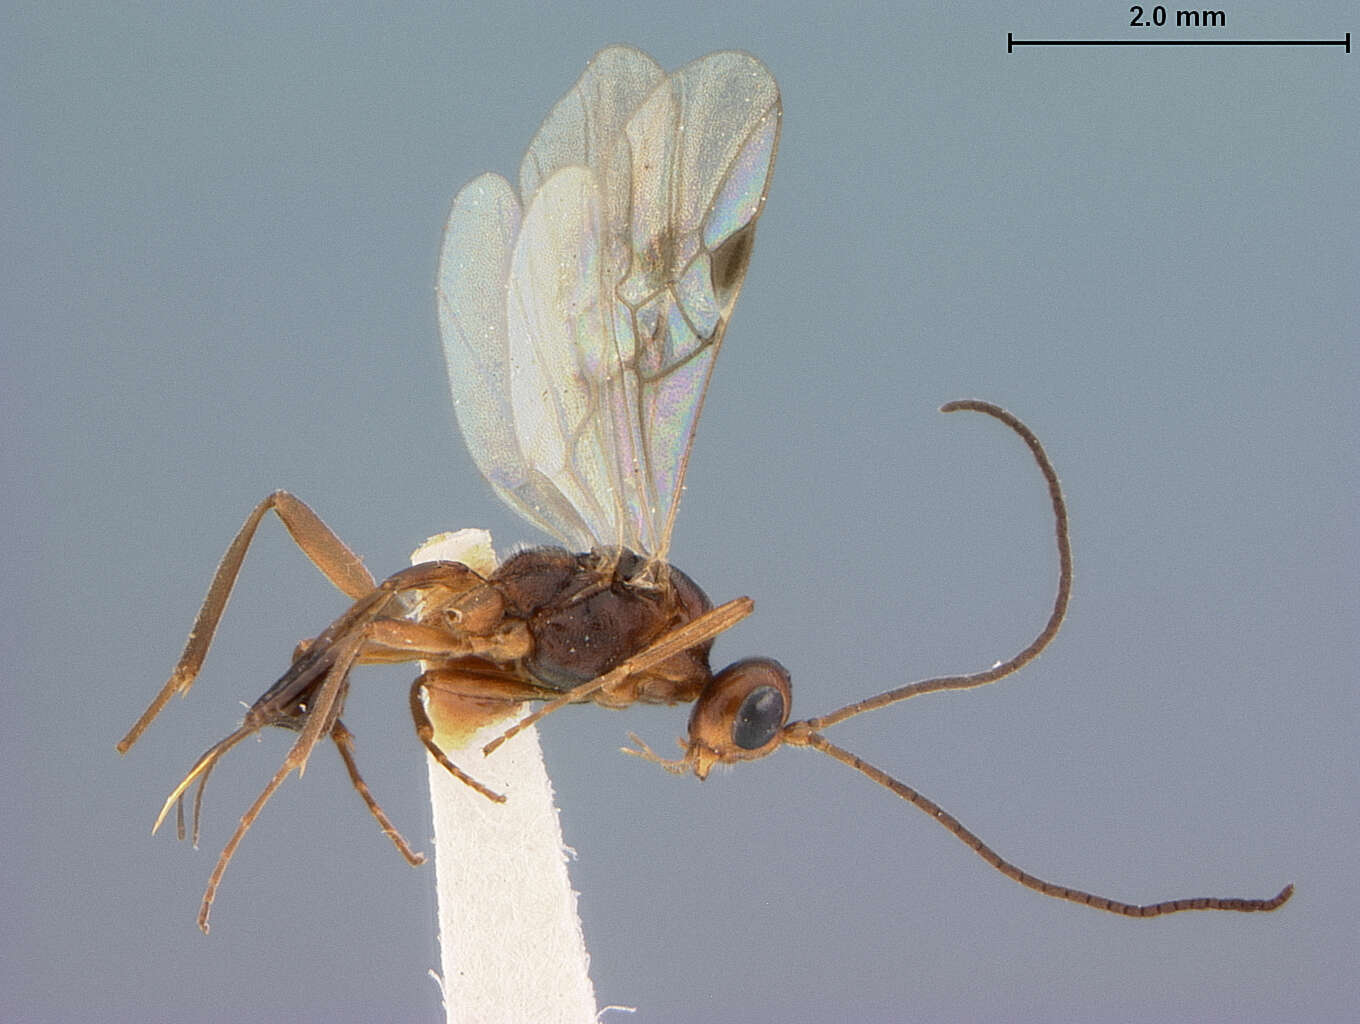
(758, 718)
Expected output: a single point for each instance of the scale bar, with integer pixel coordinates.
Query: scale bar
(1012, 42)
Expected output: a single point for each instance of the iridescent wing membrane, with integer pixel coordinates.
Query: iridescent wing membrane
(582, 317)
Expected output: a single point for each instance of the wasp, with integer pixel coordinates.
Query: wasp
(582, 313)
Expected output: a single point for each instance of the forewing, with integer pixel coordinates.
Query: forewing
(702, 150)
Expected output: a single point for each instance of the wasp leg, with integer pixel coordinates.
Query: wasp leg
(327, 552)
(425, 733)
(310, 695)
(463, 697)
(344, 742)
(229, 850)
(396, 640)
(320, 719)
(694, 632)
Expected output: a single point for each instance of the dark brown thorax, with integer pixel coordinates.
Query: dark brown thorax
(590, 612)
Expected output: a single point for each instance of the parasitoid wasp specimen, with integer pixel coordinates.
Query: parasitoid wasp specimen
(581, 317)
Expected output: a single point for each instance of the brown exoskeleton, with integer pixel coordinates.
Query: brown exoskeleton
(581, 319)
(604, 626)
(548, 625)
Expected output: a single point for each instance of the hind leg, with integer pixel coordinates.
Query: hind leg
(344, 742)
(327, 552)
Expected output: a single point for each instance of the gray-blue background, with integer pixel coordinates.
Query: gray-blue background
(220, 225)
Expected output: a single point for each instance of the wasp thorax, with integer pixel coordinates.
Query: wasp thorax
(589, 612)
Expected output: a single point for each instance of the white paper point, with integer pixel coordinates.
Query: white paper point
(511, 945)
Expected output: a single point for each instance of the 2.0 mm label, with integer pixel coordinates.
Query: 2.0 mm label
(1157, 17)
